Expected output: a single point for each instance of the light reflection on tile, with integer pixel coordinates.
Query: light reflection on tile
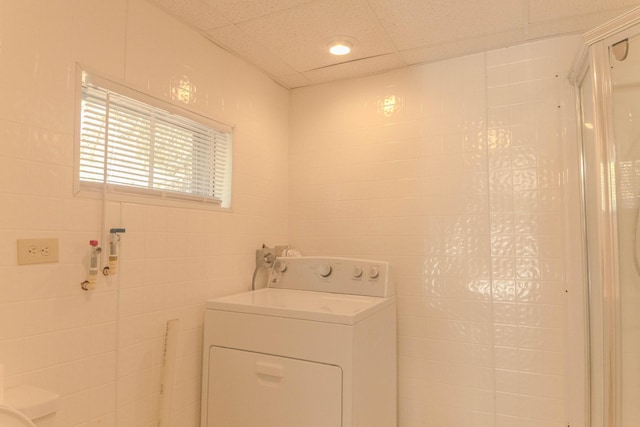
(526, 246)
(502, 246)
(488, 290)
(503, 290)
(40, 45)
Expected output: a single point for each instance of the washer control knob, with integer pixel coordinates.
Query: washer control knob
(357, 271)
(280, 266)
(325, 270)
(373, 272)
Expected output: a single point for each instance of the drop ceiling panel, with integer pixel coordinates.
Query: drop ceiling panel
(294, 80)
(354, 68)
(414, 23)
(573, 24)
(461, 47)
(234, 39)
(240, 11)
(301, 34)
(199, 13)
(551, 10)
(288, 38)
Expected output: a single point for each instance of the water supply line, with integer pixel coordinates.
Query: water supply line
(253, 278)
(265, 257)
(96, 251)
(114, 243)
(94, 256)
(103, 219)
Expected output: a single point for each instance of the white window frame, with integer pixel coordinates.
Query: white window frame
(141, 194)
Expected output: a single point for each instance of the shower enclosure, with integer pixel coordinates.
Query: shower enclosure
(607, 79)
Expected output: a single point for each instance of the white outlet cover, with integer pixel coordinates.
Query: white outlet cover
(37, 251)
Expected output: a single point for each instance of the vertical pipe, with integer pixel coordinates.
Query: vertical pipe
(167, 372)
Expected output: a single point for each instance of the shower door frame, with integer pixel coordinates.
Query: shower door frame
(603, 295)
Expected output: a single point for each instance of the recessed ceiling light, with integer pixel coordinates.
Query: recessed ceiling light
(340, 47)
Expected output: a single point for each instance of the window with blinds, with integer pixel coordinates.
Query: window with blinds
(128, 145)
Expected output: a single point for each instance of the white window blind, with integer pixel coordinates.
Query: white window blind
(132, 146)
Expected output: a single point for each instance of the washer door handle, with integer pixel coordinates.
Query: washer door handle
(276, 372)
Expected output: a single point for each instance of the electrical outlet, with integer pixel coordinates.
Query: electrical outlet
(37, 251)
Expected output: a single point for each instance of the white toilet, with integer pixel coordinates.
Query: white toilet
(12, 418)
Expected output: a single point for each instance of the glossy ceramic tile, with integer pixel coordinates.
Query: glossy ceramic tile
(488, 290)
(52, 333)
(445, 176)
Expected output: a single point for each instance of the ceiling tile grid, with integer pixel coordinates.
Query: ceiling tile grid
(288, 39)
(414, 23)
(198, 13)
(455, 48)
(355, 68)
(302, 34)
(240, 11)
(551, 10)
(575, 24)
(245, 45)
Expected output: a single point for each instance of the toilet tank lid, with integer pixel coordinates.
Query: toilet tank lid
(32, 401)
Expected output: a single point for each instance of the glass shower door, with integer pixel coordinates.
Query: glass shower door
(624, 61)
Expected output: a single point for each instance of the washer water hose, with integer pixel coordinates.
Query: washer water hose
(265, 258)
(253, 279)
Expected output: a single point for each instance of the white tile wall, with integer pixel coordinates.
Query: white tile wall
(101, 350)
(448, 170)
(451, 171)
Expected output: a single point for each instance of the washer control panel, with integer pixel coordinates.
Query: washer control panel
(333, 274)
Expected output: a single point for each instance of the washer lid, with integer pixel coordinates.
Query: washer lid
(32, 401)
(12, 418)
(318, 306)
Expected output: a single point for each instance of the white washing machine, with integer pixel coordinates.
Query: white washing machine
(316, 348)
